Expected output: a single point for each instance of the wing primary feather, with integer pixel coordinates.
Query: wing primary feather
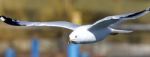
(62, 24)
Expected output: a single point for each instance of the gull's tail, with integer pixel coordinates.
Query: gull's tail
(120, 31)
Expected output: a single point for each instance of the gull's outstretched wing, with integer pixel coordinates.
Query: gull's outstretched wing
(111, 20)
(62, 24)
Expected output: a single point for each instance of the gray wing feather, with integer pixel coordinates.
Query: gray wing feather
(62, 24)
(112, 20)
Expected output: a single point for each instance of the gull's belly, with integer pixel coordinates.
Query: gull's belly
(95, 36)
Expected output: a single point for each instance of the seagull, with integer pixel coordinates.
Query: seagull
(85, 34)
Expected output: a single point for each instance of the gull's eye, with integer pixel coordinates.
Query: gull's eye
(76, 36)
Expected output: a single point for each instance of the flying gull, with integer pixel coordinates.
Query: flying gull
(84, 34)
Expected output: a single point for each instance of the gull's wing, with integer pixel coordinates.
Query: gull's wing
(112, 20)
(62, 24)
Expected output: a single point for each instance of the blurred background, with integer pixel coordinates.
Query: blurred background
(53, 41)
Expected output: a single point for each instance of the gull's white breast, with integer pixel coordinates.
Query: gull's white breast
(84, 35)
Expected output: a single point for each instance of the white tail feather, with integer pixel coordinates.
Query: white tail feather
(120, 31)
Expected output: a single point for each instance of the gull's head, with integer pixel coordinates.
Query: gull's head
(2, 18)
(74, 37)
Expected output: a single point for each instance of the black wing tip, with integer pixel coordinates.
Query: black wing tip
(5, 18)
(9, 21)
